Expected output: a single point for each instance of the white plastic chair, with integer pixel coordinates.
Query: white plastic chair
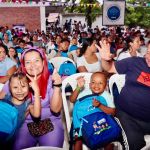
(1, 86)
(43, 148)
(71, 80)
(119, 80)
(57, 61)
(74, 55)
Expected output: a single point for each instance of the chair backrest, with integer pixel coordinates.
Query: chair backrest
(1, 86)
(74, 55)
(71, 80)
(43, 148)
(57, 61)
(119, 80)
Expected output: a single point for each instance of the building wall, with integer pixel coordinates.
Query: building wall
(81, 17)
(29, 16)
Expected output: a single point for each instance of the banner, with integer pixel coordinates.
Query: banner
(113, 12)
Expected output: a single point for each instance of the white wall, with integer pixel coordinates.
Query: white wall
(79, 17)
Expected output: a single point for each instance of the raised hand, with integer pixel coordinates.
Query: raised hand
(96, 103)
(104, 50)
(80, 81)
(34, 84)
(56, 77)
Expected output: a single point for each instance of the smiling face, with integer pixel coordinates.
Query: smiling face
(19, 89)
(64, 45)
(33, 63)
(98, 83)
(12, 52)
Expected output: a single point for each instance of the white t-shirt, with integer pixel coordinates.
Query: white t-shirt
(126, 54)
(81, 61)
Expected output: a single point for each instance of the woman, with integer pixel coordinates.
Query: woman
(33, 62)
(89, 60)
(132, 45)
(6, 40)
(12, 54)
(7, 66)
(132, 105)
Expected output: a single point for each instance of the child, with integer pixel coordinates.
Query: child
(19, 97)
(97, 85)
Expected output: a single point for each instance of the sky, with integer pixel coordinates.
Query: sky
(101, 1)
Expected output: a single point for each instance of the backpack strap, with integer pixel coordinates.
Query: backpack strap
(7, 99)
(87, 96)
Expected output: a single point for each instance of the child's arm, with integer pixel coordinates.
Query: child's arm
(80, 86)
(56, 100)
(107, 110)
(35, 109)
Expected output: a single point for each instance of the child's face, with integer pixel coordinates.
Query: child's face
(65, 45)
(19, 88)
(98, 83)
(74, 41)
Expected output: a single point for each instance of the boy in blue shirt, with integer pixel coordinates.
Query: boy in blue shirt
(97, 86)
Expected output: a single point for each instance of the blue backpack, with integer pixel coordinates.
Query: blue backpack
(8, 120)
(96, 127)
(67, 68)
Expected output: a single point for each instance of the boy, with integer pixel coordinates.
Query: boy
(97, 85)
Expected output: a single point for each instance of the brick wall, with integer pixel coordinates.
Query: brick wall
(29, 16)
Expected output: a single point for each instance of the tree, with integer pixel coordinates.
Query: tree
(90, 8)
(138, 16)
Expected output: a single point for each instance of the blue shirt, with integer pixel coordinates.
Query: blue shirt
(20, 108)
(72, 48)
(5, 65)
(134, 98)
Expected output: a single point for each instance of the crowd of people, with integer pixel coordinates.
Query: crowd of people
(35, 91)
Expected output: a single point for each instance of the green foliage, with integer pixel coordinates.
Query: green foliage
(134, 16)
(138, 16)
(90, 11)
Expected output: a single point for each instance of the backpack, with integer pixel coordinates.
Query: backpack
(67, 68)
(96, 127)
(8, 120)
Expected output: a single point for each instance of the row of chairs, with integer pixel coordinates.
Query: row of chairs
(119, 80)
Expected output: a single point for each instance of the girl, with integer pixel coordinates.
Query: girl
(19, 98)
(89, 60)
(132, 45)
(12, 54)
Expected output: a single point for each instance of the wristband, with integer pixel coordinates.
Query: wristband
(57, 85)
(78, 88)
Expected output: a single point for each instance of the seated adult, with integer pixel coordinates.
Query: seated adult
(89, 60)
(132, 45)
(34, 63)
(133, 106)
(7, 66)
